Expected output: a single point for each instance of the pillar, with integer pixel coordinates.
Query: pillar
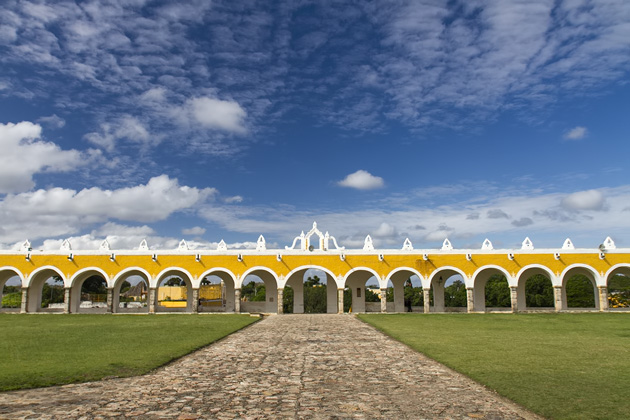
(557, 298)
(280, 301)
(66, 299)
(383, 300)
(152, 299)
(110, 301)
(427, 300)
(603, 298)
(195, 301)
(514, 298)
(24, 305)
(340, 301)
(470, 299)
(237, 300)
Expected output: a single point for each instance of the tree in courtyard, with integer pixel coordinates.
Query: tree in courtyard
(497, 292)
(580, 292)
(539, 292)
(455, 294)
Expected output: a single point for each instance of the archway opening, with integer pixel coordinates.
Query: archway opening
(46, 292)
(216, 293)
(174, 294)
(619, 289)
(580, 292)
(131, 294)
(355, 290)
(539, 293)
(10, 291)
(259, 293)
(310, 290)
(93, 295)
(407, 294)
(448, 292)
(491, 291)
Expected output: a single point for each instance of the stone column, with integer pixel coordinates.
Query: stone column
(383, 300)
(603, 298)
(110, 301)
(470, 299)
(280, 301)
(152, 299)
(24, 305)
(195, 301)
(339, 301)
(237, 300)
(514, 298)
(66, 299)
(557, 298)
(427, 300)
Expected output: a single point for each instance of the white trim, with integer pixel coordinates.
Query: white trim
(596, 276)
(158, 279)
(121, 274)
(507, 275)
(74, 277)
(613, 268)
(258, 268)
(312, 267)
(17, 273)
(210, 272)
(445, 268)
(369, 270)
(40, 269)
(546, 269)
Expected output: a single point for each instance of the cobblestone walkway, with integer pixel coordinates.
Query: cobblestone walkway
(289, 366)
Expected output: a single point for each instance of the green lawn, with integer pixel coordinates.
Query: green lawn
(562, 366)
(42, 350)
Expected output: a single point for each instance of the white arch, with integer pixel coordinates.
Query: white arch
(16, 271)
(258, 268)
(413, 270)
(369, 270)
(608, 273)
(591, 270)
(210, 272)
(158, 279)
(126, 271)
(546, 269)
(429, 280)
(84, 270)
(315, 267)
(507, 275)
(40, 269)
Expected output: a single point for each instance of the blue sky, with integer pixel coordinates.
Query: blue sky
(201, 120)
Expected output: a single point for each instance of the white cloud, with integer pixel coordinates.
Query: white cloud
(58, 211)
(233, 199)
(362, 180)
(194, 231)
(385, 230)
(127, 127)
(23, 154)
(53, 121)
(584, 200)
(576, 133)
(219, 115)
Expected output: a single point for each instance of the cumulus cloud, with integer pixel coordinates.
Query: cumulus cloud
(576, 133)
(216, 114)
(233, 199)
(362, 180)
(194, 231)
(24, 154)
(385, 230)
(58, 211)
(584, 200)
(52, 121)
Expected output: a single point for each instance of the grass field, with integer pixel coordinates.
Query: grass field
(43, 350)
(562, 366)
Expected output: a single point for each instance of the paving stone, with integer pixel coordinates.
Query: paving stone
(286, 366)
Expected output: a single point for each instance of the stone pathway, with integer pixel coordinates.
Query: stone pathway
(288, 366)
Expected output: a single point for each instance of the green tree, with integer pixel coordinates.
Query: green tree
(580, 292)
(497, 292)
(455, 295)
(174, 282)
(287, 300)
(254, 291)
(371, 296)
(52, 293)
(315, 299)
(539, 292)
(347, 299)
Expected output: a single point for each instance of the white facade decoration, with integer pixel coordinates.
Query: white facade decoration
(568, 244)
(26, 246)
(222, 246)
(65, 245)
(407, 246)
(302, 242)
(104, 246)
(143, 245)
(527, 244)
(327, 239)
(487, 245)
(368, 245)
(261, 245)
(183, 246)
(446, 245)
(310, 245)
(609, 244)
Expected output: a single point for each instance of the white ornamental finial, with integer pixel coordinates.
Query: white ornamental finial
(568, 244)
(407, 246)
(26, 246)
(183, 246)
(104, 245)
(143, 245)
(487, 245)
(527, 244)
(609, 244)
(65, 245)
(261, 245)
(446, 245)
(368, 245)
(222, 246)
